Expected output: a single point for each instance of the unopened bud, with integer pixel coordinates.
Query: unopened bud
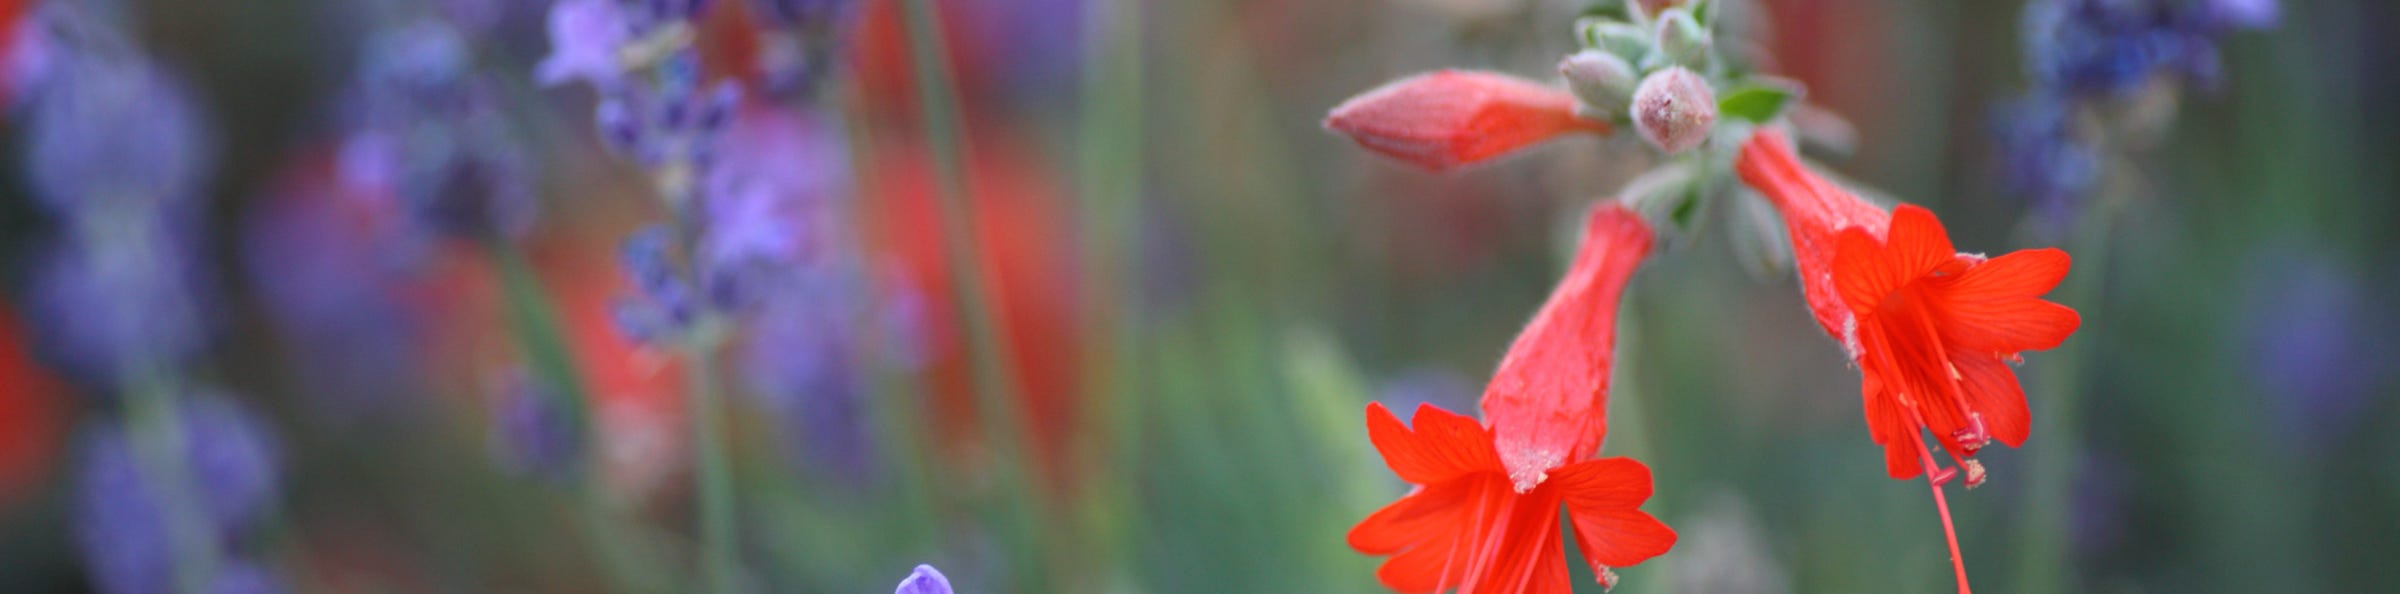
(1623, 39)
(1674, 109)
(1681, 39)
(1601, 79)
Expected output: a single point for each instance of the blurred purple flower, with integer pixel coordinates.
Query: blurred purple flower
(2310, 342)
(661, 307)
(125, 294)
(246, 577)
(111, 132)
(803, 362)
(327, 283)
(2110, 46)
(1040, 41)
(2040, 158)
(120, 528)
(429, 133)
(770, 204)
(925, 580)
(533, 432)
(585, 36)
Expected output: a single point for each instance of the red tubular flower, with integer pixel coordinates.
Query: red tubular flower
(1932, 330)
(1484, 517)
(1467, 527)
(1447, 118)
(1548, 402)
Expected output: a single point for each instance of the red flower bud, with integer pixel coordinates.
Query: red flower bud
(1447, 118)
(1674, 109)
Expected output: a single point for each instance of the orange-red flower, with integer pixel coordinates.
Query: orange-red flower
(1932, 330)
(1484, 517)
(1467, 527)
(1447, 118)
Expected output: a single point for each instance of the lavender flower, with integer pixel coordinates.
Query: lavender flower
(771, 204)
(2310, 343)
(126, 295)
(429, 133)
(662, 307)
(585, 36)
(2041, 158)
(119, 525)
(533, 432)
(108, 131)
(925, 580)
(802, 361)
(324, 276)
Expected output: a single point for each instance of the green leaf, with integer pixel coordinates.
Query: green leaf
(1759, 100)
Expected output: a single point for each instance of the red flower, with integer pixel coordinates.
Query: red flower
(1932, 330)
(1548, 402)
(1447, 118)
(1467, 527)
(1485, 515)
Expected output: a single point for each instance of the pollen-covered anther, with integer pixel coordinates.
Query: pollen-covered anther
(1975, 474)
(1941, 476)
(1608, 579)
(1974, 436)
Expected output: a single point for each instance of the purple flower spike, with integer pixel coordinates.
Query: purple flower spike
(925, 580)
(120, 528)
(585, 36)
(246, 577)
(109, 131)
(132, 297)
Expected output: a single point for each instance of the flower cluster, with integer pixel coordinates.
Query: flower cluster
(121, 508)
(1932, 330)
(2085, 54)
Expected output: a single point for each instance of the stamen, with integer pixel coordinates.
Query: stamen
(1975, 474)
(1608, 579)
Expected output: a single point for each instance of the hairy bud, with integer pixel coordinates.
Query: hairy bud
(1681, 40)
(1674, 109)
(1601, 79)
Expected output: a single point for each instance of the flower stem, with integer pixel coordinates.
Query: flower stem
(160, 446)
(937, 105)
(1110, 186)
(1942, 504)
(714, 468)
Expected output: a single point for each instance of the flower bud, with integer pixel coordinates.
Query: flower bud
(1674, 109)
(1601, 79)
(1623, 39)
(1681, 40)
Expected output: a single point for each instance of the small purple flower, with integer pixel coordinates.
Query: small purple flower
(803, 361)
(322, 273)
(585, 38)
(119, 525)
(128, 293)
(113, 132)
(246, 577)
(429, 133)
(925, 580)
(770, 204)
(533, 431)
(661, 307)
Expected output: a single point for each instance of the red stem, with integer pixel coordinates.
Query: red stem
(1957, 562)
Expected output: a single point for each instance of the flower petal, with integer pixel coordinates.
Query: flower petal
(1867, 270)
(1993, 306)
(1447, 118)
(1444, 445)
(1603, 498)
(1992, 388)
(1442, 534)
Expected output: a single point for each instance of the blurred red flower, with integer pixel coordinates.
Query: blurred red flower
(32, 417)
(1449, 118)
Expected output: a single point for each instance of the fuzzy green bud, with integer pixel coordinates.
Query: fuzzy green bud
(1616, 37)
(1681, 40)
(1601, 79)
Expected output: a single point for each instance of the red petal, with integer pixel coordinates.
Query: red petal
(1866, 270)
(1992, 307)
(1443, 532)
(1447, 118)
(1548, 402)
(1889, 425)
(1444, 445)
(1603, 499)
(1992, 389)
(1523, 550)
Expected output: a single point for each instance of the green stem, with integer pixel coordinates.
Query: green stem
(715, 472)
(1110, 187)
(937, 104)
(160, 444)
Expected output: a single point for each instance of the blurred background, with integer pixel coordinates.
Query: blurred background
(381, 270)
